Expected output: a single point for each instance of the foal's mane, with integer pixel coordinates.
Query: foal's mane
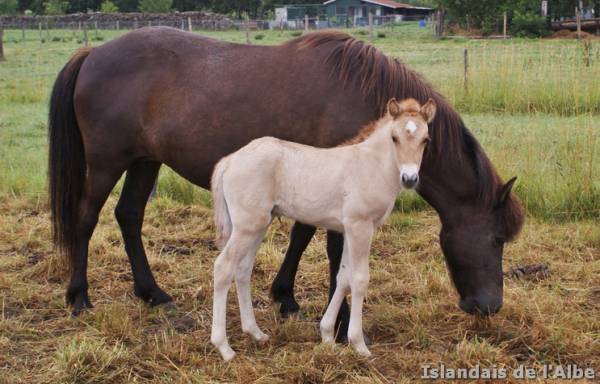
(381, 78)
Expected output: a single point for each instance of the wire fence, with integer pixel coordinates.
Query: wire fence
(222, 24)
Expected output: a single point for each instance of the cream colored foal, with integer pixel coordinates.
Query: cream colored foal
(349, 189)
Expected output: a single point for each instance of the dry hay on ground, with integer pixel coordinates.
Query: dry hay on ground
(568, 34)
(411, 314)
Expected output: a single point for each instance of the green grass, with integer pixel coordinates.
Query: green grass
(532, 103)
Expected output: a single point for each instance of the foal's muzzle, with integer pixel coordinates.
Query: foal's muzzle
(410, 180)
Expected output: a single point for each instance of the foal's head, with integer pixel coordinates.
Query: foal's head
(409, 133)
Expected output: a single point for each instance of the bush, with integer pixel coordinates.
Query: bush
(259, 37)
(155, 6)
(108, 7)
(529, 25)
(56, 7)
(296, 34)
(381, 35)
(8, 7)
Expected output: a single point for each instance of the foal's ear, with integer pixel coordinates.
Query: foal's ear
(504, 191)
(393, 107)
(428, 110)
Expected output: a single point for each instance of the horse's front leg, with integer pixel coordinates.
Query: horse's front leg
(282, 289)
(358, 239)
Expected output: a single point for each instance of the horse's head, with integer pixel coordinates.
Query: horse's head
(473, 239)
(410, 135)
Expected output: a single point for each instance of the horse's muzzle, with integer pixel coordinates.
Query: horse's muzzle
(483, 306)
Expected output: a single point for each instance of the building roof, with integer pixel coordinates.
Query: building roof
(384, 3)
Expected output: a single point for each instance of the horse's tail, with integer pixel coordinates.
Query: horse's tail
(221, 211)
(66, 158)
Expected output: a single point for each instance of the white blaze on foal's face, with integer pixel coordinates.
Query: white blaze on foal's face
(410, 136)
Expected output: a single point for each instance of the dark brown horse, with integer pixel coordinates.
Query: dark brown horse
(158, 95)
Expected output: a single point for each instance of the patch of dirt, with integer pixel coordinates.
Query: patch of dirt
(532, 272)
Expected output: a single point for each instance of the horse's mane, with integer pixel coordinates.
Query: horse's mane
(381, 78)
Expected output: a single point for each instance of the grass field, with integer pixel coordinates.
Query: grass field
(534, 106)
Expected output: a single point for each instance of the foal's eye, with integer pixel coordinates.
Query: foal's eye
(394, 139)
(499, 240)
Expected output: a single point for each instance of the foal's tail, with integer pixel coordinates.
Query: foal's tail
(66, 158)
(222, 218)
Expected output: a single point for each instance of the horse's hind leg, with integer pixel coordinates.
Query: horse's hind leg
(282, 289)
(243, 274)
(97, 187)
(139, 181)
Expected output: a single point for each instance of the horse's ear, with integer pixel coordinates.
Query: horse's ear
(428, 110)
(393, 107)
(504, 191)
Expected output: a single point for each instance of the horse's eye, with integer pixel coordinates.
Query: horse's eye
(499, 240)
(394, 139)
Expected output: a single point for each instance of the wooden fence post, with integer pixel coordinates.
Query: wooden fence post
(578, 21)
(118, 26)
(305, 22)
(1, 42)
(440, 22)
(190, 28)
(466, 74)
(23, 31)
(371, 37)
(85, 34)
(505, 25)
(40, 29)
(247, 29)
(96, 28)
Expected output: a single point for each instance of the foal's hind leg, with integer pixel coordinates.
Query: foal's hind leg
(225, 268)
(139, 181)
(243, 274)
(98, 185)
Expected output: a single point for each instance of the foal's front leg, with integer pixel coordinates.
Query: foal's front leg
(359, 237)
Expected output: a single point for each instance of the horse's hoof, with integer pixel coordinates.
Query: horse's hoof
(289, 308)
(78, 299)
(154, 296)
(168, 306)
(81, 303)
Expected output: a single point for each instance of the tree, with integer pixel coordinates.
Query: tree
(8, 7)
(155, 6)
(56, 7)
(108, 7)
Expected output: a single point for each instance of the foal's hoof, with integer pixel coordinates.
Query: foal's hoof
(226, 353)
(79, 302)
